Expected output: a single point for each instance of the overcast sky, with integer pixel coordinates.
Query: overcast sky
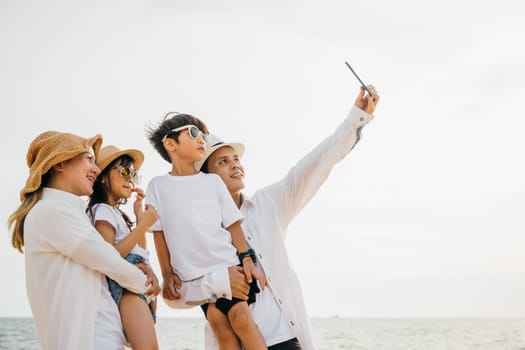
(423, 219)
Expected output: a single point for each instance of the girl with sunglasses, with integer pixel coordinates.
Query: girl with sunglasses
(66, 260)
(115, 184)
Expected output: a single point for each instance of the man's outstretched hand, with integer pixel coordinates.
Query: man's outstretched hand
(367, 103)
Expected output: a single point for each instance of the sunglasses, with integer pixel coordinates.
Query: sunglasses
(192, 130)
(128, 174)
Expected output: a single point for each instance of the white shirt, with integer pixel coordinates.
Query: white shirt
(66, 260)
(270, 319)
(109, 332)
(105, 212)
(267, 215)
(193, 213)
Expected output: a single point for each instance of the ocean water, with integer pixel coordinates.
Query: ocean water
(332, 334)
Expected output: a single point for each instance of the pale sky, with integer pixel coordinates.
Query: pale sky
(423, 219)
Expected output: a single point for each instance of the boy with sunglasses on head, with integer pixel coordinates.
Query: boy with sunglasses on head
(115, 184)
(199, 229)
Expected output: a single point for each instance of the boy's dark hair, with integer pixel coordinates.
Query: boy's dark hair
(171, 120)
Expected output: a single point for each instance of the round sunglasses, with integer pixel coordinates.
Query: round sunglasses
(193, 131)
(128, 174)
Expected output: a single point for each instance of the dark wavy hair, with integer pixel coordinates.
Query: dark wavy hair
(171, 121)
(102, 187)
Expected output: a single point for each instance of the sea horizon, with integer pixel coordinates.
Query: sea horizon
(331, 333)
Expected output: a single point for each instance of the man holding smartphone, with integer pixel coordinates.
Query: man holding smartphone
(279, 310)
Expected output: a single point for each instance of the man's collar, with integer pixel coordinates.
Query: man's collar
(246, 200)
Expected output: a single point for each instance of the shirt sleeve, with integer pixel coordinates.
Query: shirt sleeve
(70, 232)
(229, 211)
(299, 185)
(103, 212)
(103, 257)
(206, 289)
(151, 199)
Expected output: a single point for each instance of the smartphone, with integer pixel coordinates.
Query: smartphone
(357, 76)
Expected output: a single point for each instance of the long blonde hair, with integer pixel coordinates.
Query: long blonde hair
(15, 223)
(16, 220)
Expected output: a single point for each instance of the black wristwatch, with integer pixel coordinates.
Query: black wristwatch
(250, 252)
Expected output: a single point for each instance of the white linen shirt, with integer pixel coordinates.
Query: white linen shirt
(65, 261)
(267, 215)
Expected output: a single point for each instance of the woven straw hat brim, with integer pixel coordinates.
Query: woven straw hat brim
(109, 153)
(53, 147)
(214, 144)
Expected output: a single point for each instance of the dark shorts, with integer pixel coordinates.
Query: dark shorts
(116, 290)
(292, 344)
(224, 305)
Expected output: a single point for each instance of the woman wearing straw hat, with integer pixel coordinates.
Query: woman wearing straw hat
(279, 312)
(115, 184)
(66, 260)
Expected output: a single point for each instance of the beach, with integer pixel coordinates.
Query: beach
(332, 333)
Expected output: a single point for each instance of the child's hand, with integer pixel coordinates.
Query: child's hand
(251, 272)
(170, 284)
(148, 217)
(137, 205)
(151, 280)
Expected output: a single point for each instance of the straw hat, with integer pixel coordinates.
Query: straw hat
(213, 144)
(50, 148)
(109, 153)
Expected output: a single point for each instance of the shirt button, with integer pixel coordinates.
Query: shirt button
(224, 295)
(260, 256)
(291, 322)
(269, 279)
(361, 119)
(280, 301)
(249, 238)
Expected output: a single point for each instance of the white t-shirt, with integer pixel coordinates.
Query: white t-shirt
(105, 212)
(193, 212)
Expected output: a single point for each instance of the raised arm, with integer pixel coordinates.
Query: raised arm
(367, 103)
(144, 215)
(293, 192)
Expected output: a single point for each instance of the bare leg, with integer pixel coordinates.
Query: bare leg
(138, 323)
(244, 326)
(222, 330)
